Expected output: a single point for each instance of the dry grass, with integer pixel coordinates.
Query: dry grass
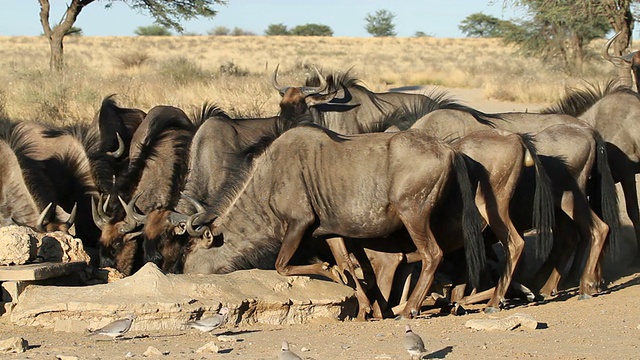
(233, 71)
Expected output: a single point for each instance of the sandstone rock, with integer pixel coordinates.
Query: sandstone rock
(110, 275)
(509, 323)
(152, 351)
(60, 247)
(13, 345)
(66, 357)
(227, 338)
(162, 302)
(18, 245)
(209, 347)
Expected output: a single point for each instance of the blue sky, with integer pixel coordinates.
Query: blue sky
(346, 18)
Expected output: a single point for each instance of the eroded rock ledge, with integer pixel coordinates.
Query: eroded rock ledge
(166, 301)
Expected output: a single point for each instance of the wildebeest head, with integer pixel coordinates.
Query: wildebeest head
(296, 101)
(165, 238)
(119, 242)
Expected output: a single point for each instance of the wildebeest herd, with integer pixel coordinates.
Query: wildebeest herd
(384, 192)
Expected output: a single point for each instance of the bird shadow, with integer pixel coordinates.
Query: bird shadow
(239, 332)
(440, 354)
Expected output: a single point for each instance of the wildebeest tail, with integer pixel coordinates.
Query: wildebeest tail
(543, 208)
(471, 222)
(605, 199)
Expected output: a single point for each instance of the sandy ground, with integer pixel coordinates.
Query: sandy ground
(606, 326)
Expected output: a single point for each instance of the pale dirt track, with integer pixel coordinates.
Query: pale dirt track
(604, 327)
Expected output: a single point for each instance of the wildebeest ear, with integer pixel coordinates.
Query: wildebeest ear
(180, 229)
(208, 238)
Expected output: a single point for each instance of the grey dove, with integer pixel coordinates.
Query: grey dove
(210, 323)
(286, 354)
(413, 343)
(115, 329)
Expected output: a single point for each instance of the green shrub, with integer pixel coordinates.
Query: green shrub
(183, 71)
(152, 30)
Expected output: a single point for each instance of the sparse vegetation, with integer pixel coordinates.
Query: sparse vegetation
(185, 71)
(276, 30)
(152, 30)
(133, 59)
(219, 31)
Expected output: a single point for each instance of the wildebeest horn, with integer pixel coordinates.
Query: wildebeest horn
(195, 232)
(605, 52)
(98, 213)
(196, 203)
(274, 81)
(72, 216)
(120, 150)
(132, 218)
(40, 222)
(308, 90)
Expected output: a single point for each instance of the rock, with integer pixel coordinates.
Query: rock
(66, 357)
(209, 347)
(129, 354)
(60, 247)
(509, 323)
(110, 275)
(13, 345)
(166, 301)
(18, 245)
(227, 338)
(151, 351)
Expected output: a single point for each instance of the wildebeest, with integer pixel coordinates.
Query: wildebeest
(613, 111)
(157, 168)
(27, 195)
(497, 162)
(631, 60)
(583, 150)
(341, 103)
(221, 152)
(314, 182)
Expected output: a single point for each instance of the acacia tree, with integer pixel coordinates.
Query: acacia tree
(381, 23)
(617, 13)
(167, 13)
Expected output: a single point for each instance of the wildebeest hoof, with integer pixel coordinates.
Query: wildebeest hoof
(458, 310)
(339, 275)
(491, 310)
(584, 297)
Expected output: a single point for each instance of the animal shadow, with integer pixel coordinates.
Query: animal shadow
(440, 354)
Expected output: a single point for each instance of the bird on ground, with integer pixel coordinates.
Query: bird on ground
(413, 343)
(286, 354)
(115, 329)
(210, 323)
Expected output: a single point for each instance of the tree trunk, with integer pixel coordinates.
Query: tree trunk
(56, 61)
(56, 35)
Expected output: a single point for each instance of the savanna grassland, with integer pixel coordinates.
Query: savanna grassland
(233, 71)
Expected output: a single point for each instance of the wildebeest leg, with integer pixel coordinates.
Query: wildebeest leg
(290, 243)
(591, 277)
(431, 254)
(341, 255)
(564, 244)
(628, 184)
(384, 266)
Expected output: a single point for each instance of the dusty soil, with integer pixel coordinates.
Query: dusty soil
(606, 326)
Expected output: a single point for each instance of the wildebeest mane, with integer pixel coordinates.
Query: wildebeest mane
(406, 115)
(208, 110)
(33, 171)
(577, 101)
(158, 131)
(342, 80)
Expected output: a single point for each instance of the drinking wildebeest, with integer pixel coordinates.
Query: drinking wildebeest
(221, 152)
(157, 169)
(27, 195)
(314, 182)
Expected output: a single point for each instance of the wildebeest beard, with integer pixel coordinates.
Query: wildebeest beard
(164, 242)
